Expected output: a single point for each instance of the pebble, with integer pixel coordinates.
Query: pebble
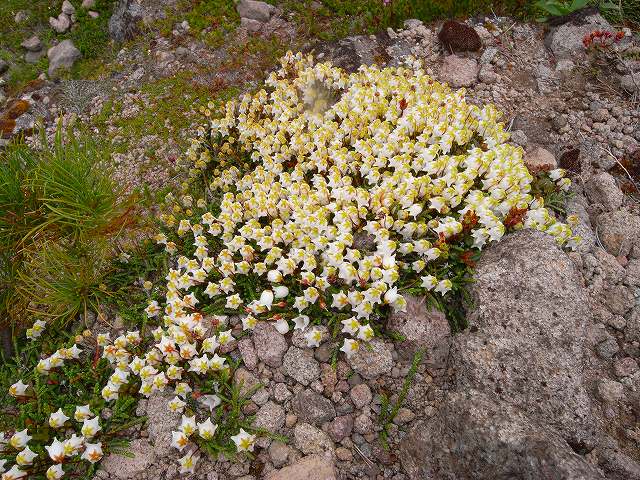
(361, 395)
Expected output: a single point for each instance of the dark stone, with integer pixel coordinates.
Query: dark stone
(459, 37)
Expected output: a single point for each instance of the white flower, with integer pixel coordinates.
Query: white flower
(55, 472)
(266, 299)
(176, 405)
(188, 463)
(57, 419)
(25, 457)
(93, 452)
(179, 440)
(82, 413)
(313, 337)
(349, 347)
(90, 427)
(211, 401)
(19, 440)
(188, 425)
(18, 389)
(365, 332)
(56, 450)
(282, 326)
(14, 473)
(206, 429)
(244, 441)
(350, 326)
(301, 322)
(280, 291)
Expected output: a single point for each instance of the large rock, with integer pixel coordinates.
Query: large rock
(63, 55)
(458, 71)
(475, 436)
(313, 467)
(565, 41)
(519, 392)
(531, 343)
(269, 344)
(271, 417)
(160, 422)
(254, 10)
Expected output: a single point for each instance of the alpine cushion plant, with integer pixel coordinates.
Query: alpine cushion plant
(314, 204)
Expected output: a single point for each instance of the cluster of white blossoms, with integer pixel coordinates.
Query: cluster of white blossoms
(61, 450)
(385, 154)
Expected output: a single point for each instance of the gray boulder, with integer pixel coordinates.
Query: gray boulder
(63, 55)
(60, 24)
(565, 41)
(528, 340)
(254, 10)
(475, 436)
(519, 392)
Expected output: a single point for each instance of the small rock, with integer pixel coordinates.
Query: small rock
(373, 362)
(603, 189)
(519, 138)
(459, 37)
(488, 55)
(4, 66)
(87, 4)
(20, 16)
(271, 416)
(313, 467)
(625, 367)
(340, 428)
(566, 40)
(610, 391)
(618, 231)
(252, 26)
(363, 424)
(281, 393)
(311, 407)
(630, 82)
(540, 160)
(632, 273)
(403, 416)
(63, 55)
(33, 44)
(255, 10)
(310, 439)
(459, 72)
(361, 395)
(328, 377)
(607, 348)
(93, 14)
(248, 353)
(269, 344)
(33, 57)
(290, 420)
(300, 365)
(619, 299)
(247, 380)
(279, 453)
(344, 454)
(68, 8)
(60, 24)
